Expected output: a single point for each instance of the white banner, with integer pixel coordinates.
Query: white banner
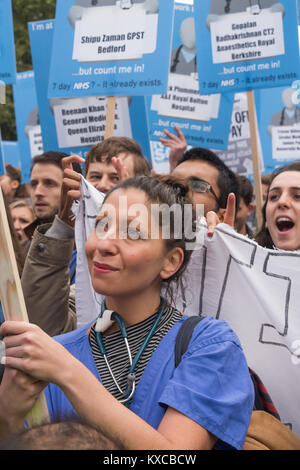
(88, 303)
(243, 36)
(286, 142)
(256, 290)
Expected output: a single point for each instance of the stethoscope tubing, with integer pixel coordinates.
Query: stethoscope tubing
(131, 379)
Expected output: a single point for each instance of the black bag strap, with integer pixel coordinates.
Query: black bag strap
(184, 336)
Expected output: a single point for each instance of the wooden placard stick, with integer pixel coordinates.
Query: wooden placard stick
(110, 116)
(255, 156)
(13, 303)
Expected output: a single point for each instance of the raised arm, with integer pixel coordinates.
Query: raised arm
(177, 144)
(47, 358)
(197, 411)
(46, 278)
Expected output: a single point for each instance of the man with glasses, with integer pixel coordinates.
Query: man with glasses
(210, 179)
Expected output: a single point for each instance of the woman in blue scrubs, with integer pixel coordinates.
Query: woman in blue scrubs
(119, 373)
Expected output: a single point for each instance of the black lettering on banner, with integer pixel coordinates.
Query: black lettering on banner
(281, 268)
(270, 333)
(247, 261)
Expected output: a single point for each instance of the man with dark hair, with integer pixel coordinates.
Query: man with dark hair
(10, 182)
(245, 207)
(211, 180)
(46, 180)
(60, 435)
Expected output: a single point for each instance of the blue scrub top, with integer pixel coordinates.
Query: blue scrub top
(211, 385)
(72, 267)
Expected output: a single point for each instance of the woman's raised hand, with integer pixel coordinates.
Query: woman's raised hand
(213, 220)
(30, 350)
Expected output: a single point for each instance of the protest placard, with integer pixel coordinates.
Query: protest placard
(211, 133)
(56, 131)
(41, 37)
(12, 300)
(27, 121)
(196, 114)
(204, 119)
(110, 50)
(238, 154)
(7, 44)
(279, 124)
(11, 153)
(243, 45)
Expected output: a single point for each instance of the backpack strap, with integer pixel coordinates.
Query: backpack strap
(184, 336)
(263, 401)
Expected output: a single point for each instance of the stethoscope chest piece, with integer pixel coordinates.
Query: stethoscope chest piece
(104, 322)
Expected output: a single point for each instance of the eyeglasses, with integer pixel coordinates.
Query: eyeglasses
(201, 186)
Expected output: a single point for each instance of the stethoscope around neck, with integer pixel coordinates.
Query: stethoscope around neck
(104, 321)
(282, 116)
(176, 60)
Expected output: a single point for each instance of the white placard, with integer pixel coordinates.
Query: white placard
(80, 122)
(215, 101)
(240, 129)
(243, 36)
(35, 141)
(184, 102)
(286, 142)
(112, 33)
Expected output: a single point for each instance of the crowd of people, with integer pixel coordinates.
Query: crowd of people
(117, 373)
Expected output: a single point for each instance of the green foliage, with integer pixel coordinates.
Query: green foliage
(24, 11)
